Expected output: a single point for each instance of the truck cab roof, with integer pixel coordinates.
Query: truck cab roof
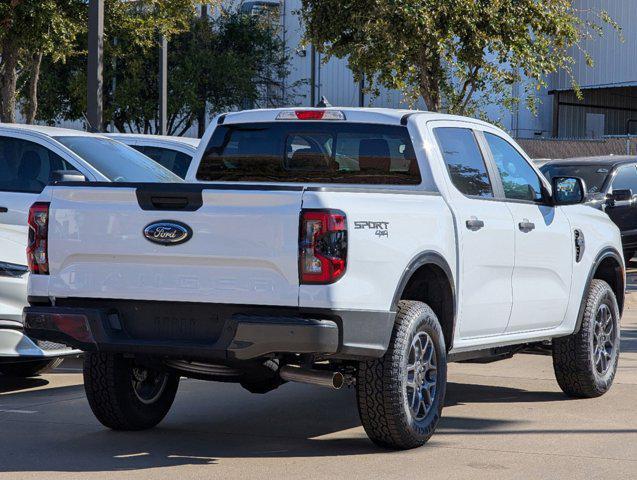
(363, 115)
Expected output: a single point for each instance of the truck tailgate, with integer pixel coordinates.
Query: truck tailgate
(243, 248)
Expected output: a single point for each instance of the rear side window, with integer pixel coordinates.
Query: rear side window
(464, 161)
(312, 152)
(174, 160)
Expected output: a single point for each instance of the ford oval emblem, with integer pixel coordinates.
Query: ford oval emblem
(168, 232)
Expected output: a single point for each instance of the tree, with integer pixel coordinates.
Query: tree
(456, 54)
(30, 29)
(37, 31)
(217, 64)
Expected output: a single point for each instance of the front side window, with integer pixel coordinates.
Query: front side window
(312, 152)
(464, 161)
(27, 166)
(519, 180)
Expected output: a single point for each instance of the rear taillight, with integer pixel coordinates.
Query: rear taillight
(74, 325)
(37, 248)
(323, 246)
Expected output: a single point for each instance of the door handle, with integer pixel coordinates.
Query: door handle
(4, 209)
(474, 224)
(526, 226)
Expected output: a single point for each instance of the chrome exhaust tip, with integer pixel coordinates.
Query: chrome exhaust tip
(334, 380)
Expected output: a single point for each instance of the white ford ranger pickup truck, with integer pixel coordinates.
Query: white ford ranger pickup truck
(360, 247)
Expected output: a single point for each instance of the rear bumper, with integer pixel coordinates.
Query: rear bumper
(208, 331)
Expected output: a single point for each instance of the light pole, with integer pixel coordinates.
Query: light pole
(95, 81)
(163, 85)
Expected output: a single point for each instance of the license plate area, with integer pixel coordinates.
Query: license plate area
(158, 321)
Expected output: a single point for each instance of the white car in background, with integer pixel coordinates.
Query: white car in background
(31, 157)
(173, 153)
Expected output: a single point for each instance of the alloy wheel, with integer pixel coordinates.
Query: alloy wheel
(421, 370)
(604, 339)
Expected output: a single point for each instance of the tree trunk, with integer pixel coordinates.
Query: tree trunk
(8, 82)
(201, 123)
(31, 108)
(430, 80)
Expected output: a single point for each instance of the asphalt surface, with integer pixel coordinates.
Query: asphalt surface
(502, 420)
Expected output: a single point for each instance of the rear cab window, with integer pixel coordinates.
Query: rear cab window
(310, 152)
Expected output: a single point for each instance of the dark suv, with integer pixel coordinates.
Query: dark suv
(611, 182)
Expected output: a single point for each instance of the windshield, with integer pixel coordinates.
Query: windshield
(593, 175)
(116, 161)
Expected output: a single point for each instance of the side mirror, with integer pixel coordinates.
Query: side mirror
(67, 176)
(622, 195)
(568, 190)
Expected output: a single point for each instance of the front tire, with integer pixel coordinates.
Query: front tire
(28, 369)
(125, 396)
(585, 362)
(401, 395)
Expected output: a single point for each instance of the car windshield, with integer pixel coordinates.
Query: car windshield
(593, 175)
(116, 161)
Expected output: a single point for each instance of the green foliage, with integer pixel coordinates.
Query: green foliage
(140, 23)
(54, 31)
(30, 29)
(47, 26)
(458, 55)
(220, 63)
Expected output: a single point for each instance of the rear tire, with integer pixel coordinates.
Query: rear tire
(28, 369)
(585, 362)
(401, 395)
(124, 396)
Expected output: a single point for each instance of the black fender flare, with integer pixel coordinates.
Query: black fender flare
(428, 257)
(621, 281)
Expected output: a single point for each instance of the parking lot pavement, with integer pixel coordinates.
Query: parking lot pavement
(502, 420)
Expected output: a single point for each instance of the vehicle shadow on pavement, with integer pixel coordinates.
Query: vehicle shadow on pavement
(208, 424)
(628, 340)
(464, 393)
(213, 422)
(205, 426)
(12, 384)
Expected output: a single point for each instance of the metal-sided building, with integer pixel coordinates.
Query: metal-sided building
(609, 88)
